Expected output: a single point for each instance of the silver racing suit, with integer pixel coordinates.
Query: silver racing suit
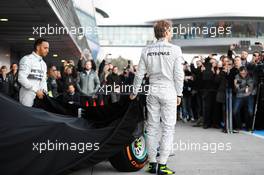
(162, 61)
(32, 77)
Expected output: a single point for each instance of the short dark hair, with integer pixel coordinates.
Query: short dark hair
(3, 67)
(38, 42)
(71, 84)
(256, 52)
(242, 68)
(13, 64)
(160, 27)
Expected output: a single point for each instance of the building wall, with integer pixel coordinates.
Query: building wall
(4, 55)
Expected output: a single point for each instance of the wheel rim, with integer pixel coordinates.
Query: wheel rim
(139, 148)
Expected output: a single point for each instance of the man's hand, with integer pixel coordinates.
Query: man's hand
(132, 97)
(232, 47)
(82, 56)
(40, 94)
(178, 101)
(202, 68)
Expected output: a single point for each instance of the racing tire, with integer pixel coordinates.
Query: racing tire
(133, 157)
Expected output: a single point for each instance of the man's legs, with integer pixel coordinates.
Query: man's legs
(207, 109)
(153, 127)
(236, 110)
(168, 121)
(250, 112)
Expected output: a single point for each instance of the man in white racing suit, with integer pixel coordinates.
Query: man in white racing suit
(32, 74)
(162, 61)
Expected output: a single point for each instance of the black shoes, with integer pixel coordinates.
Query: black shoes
(152, 168)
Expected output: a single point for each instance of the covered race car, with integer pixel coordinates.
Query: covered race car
(52, 141)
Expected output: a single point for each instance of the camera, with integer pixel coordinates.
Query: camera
(239, 81)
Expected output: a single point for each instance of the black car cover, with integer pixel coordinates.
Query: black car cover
(35, 142)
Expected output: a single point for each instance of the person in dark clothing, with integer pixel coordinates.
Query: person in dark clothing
(4, 81)
(59, 82)
(244, 86)
(244, 55)
(71, 96)
(221, 78)
(103, 99)
(101, 68)
(208, 92)
(114, 81)
(68, 77)
(197, 91)
(14, 86)
(127, 77)
(234, 71)
(52, 83)
(81, 64)
(187, 94)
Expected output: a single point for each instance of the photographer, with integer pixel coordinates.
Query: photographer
(234, 71)
(221, 78)
(197, 89)
(209, 90)
(244, 85)
(244, 55)
(187, 94)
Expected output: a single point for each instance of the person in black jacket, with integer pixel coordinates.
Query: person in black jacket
(221, 79)
(197, 90)
(14, 86)
(187, 94)
(68, 77)
(4, 82)
(71, 96)
(114, 81)
(244, 55)
(234, 71)
(208, 91)
(52, 83)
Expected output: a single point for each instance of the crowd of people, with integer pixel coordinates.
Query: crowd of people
(204, 94)
(84, 79)
(71, 81)
(206, 85)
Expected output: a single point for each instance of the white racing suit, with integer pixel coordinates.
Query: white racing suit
(32, 77)
(162, 61)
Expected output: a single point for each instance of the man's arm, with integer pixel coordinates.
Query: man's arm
(178, 74)
(97, 83)
(44, 79)
(24, 71)
(78, 82)
(142, 69)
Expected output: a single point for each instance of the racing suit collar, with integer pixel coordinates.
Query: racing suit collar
(162, 40)
(35, 54)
